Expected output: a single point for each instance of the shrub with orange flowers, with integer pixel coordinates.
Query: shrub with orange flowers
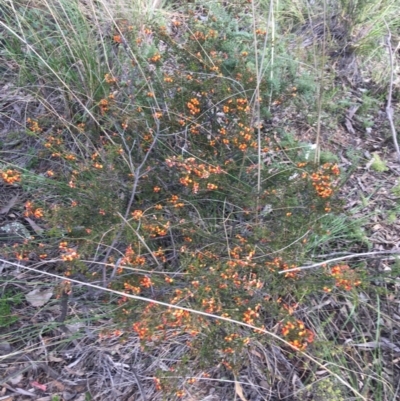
(169, 188)
(324, 179)
(193, 174)
(295, 332)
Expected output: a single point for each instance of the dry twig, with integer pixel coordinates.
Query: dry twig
(371, 255)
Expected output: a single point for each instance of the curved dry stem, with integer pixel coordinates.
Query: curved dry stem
(377, 254)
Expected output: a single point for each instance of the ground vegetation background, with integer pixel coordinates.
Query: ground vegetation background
(199, 200)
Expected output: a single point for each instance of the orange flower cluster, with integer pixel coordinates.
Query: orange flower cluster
(137, 214)
(53, 141)
(242, 105)
(146, 282)
(34, 126)
(195, 129)
(130, 258)
(244, 139)
(241, 260)
(10, 176)
(157, 229)
(30, 211)
(97, 165)
(212, 34)
(110, 79)
(141, 329)
(65, 288)
(345, 278)
(279, 264)
(296, 334)
(324, 179)
(160, 254)
(157, 383)
(201, 36)
(181, 294)
(198, 35)
(228, 350)
(175, 201)
(117, 39)
(176, 318)
(193, 106)
(229, 338)
(252, 284)
(104, 106)
(155, 58)
(23, 255)
(250, 315)
(260, 32)
(210, 305)
(241, 135)
(67, 254)
(192, 171)
(70, 157)
(131, 288)
(105, 334)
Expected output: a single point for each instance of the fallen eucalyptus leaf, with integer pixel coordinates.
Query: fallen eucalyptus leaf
(38, 298)
(12, 202)
(38, 230)
(16, 379)
(36, 384)
(239, 391)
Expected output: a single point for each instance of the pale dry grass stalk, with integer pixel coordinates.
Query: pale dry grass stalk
(317, 154)
(376, 254)
(256, 95)
(389, 108)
